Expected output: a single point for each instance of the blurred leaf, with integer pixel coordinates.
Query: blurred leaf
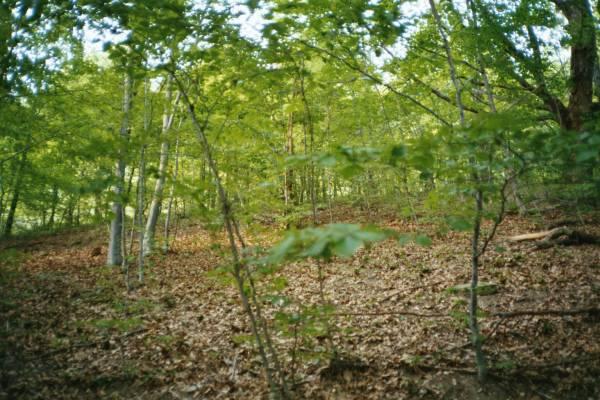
(423, 240)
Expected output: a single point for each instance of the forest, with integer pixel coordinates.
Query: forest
(300, 199)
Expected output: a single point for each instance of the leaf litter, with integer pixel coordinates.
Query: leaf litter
(69, 329)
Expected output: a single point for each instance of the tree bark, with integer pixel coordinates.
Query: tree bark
(492, 103)
(581, 28)
(10, 217)
(171, 198)
(256, 320)
(157, 197)
(114, 253)
(450, 60)
(310, 129)
(53, 206)
(475, 253)
(288, 185)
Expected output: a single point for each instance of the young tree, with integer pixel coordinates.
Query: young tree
(157, 196)
(115, 250)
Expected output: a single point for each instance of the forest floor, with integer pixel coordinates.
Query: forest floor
(69, 329)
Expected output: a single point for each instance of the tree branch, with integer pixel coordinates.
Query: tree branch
(377, 80)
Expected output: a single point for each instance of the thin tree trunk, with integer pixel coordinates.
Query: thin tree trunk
(288, 185)
(473, 322)
(115, 250)
(171, 197)
(450, 60)
(309, 128)
(124, 261)
(53, 206)
(157, 197)
(237, 262)
(10, 217)
(140, 213)
(2, 193)
(141, 188)
(130, 181)
(514, 185)
(475, 335)
(70, 210)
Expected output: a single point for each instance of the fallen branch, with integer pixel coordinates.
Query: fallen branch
(397, 292)
(539, 235)
(557, 236)
(561, 363)
(85, 345)
(589, 310)
(381, 313)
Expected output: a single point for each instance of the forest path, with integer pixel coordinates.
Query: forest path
(69, 329)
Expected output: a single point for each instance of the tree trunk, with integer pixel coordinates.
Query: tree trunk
(70, 210)
(140, 212)
(581, 28)
(257, 322)
(514, 184)
(10, 217)
(154, 212)
(453, 76)
(171, 197)
(288, 185)
(2, 194)
(473, 323)
(53, 207)
(309, 128)
(114, 254)
(141, 186)
(473, 306)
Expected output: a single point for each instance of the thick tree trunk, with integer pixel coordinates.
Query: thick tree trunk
(581, 28)
(157, 196)
(114, 254)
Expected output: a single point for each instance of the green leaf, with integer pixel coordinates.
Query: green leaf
(586, 155)
(423, 240)
(370, 235)
(279, 283)
(347, 246)
(282, 250)
(404, 239)
(459, 223)
(351, 170)
(328, 160)
(316, 250)
(279, 301)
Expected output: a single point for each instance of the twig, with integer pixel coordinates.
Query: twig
(589, 310)
(379, 313)
(411, 289)
(84, 345)
(560, 363)
(377, 80)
